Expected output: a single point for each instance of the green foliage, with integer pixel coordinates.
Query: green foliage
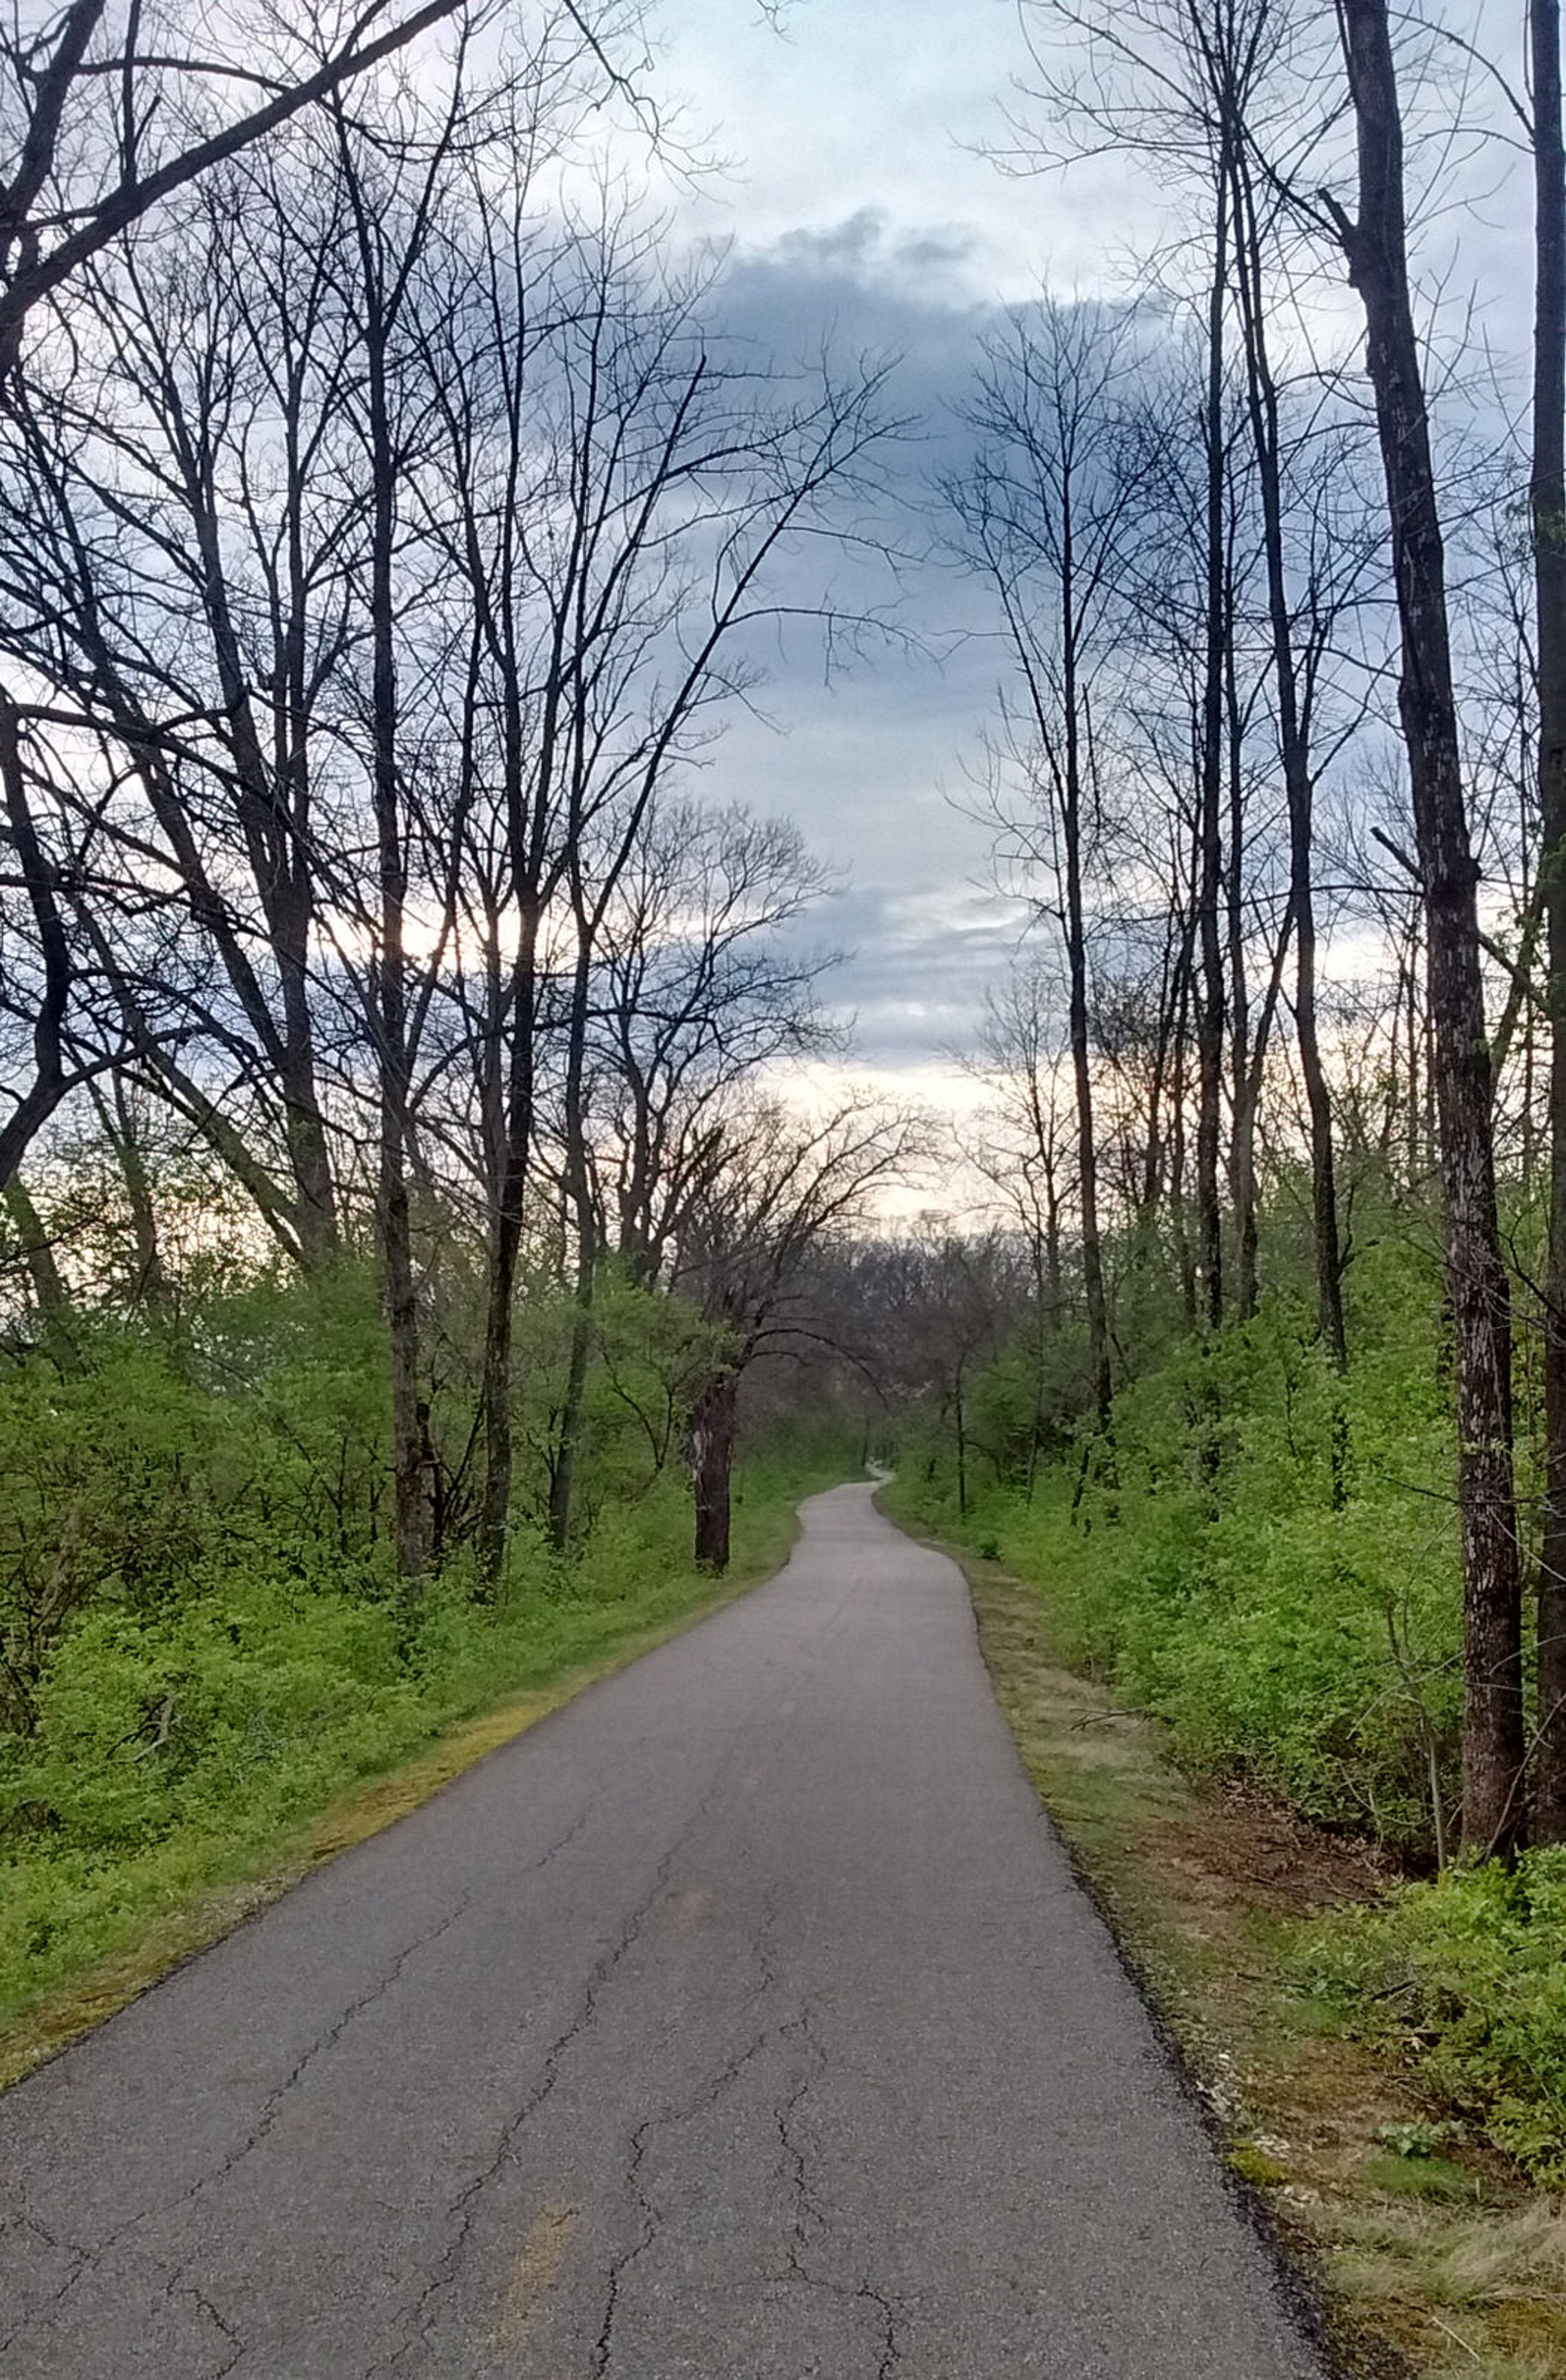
(1468, 1972)
(203, 1642)
(1265, 1557)
(1262, 1555)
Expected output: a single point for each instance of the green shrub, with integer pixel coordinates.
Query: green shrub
(1263, 1556)
(201, 1640)
(1469, 1973)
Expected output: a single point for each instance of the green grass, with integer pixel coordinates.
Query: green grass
(292, 1724)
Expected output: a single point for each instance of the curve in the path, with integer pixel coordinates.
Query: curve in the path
(740, 2023)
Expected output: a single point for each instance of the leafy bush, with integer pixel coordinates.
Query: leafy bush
(1262, 1555)
(1468, 1972)
(202, 1639)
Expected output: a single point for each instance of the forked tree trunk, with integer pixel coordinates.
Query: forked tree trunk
(1376, 246)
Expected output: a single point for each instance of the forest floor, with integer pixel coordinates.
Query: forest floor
(200, 1893)
(1432, 2256)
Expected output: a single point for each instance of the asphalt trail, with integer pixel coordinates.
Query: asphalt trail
(742, 2022)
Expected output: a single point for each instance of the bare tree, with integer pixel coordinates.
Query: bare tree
(1374, 244)
(702, 981)
(1548, 504)
(104, 112)
(1043, 514)
(784, 1188)
(1024, 1150)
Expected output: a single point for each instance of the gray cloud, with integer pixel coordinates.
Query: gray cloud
(865, 759)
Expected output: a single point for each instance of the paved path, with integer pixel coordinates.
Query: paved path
(740, 2023)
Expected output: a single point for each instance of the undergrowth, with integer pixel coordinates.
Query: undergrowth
(1264, 1558)
(1466, 1976)
(203, 1642)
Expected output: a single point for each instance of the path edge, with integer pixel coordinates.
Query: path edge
(1303, 2289)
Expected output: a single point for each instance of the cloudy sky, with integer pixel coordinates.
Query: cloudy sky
(855, 202)
(858, 201)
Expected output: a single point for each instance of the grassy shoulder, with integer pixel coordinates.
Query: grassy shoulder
(1432, 2254)
(92, 1914)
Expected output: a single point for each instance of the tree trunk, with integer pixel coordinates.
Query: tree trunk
(408, 1430)
(1209, 829)
(563, 1479)
(309, 1151)
(505, 1244)
(50, 1079)
(1077, 959)
(153, 1288)
(1547, 499)
(1377, 251)
(49, 1292)
(1299, 788)
(1185, 1261)
(1246, 1079)
(711, 1454)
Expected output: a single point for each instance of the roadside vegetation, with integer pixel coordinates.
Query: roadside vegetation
(207, 1643)
(410, 1185)
(1263, 1556)
(428, 1163)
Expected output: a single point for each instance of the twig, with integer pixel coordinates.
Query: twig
(1458, 2335)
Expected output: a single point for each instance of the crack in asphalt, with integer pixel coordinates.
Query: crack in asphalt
(176, 2288)
(670, 2119)
(768, 2167)
(86, 2258)
(423, 2311)
(462, 2212)
(809, 2209)
(666, 2119)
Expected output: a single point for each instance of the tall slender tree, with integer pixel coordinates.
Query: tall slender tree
(1547, 494)
(1375, 243)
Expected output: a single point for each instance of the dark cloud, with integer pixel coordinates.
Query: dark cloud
(865, 759)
